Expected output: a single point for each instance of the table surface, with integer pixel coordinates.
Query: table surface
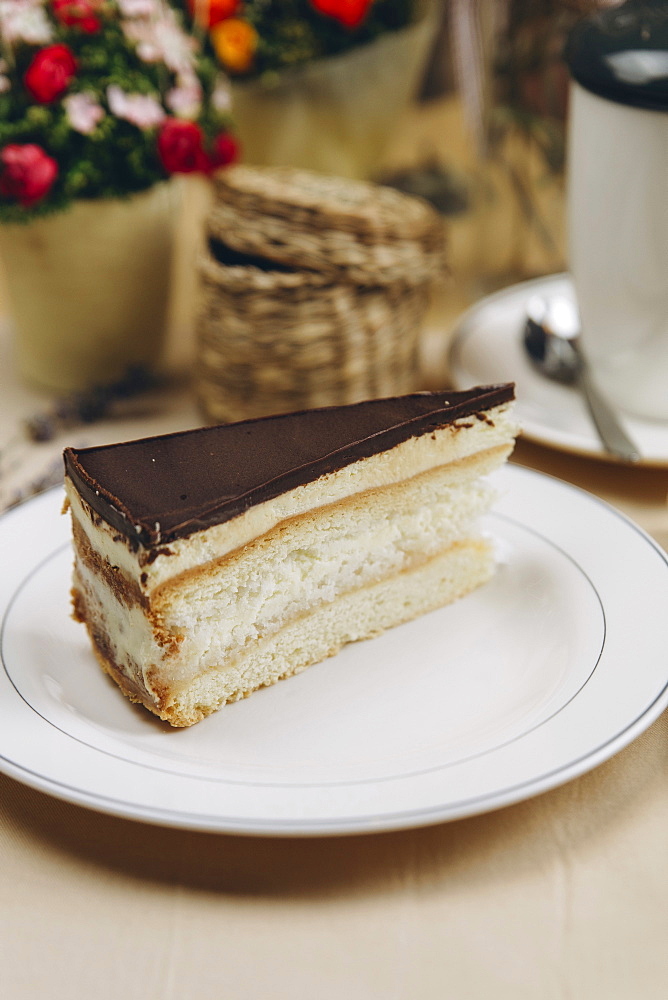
(561, 896)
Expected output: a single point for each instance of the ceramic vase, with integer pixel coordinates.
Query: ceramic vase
(89, 288)
(337, 114)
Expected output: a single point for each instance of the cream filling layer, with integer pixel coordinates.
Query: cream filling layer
(307, 564)
(220, 609)
(128, 635)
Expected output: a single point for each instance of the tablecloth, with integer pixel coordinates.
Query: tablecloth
(563, 896)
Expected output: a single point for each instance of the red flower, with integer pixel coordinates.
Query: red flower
(349, 13)
(50, 73)
(209, 12)
(26, 173)
(225, 150)
(180, 147)
(80, 14)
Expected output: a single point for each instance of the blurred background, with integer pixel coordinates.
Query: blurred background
(460, 102)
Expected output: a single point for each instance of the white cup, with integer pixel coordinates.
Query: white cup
(618, 246)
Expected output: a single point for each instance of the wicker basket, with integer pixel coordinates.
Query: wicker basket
(312, 293)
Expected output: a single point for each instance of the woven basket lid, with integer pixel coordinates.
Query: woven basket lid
(351, 230)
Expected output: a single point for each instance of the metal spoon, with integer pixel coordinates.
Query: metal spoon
(552, 341)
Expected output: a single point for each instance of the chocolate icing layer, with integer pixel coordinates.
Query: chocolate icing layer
(158, 489)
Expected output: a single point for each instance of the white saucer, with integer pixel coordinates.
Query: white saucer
(487, 348)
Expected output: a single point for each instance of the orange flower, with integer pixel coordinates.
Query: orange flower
(235, 42)
(207, 13)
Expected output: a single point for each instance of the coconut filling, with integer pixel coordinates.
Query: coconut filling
(202, 621)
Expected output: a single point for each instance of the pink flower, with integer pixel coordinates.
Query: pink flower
(221, 95)
(27, 173)
(83, 112)
(138, 8)
(185, 100)
(162, 39)
(141, 110)
(24, 21)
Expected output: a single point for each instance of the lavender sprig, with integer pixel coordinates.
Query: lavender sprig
(90, 406)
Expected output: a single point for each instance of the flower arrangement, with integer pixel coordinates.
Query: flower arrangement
(103, 98)
(257, 37)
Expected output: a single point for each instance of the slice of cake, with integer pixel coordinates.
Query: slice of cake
(212, 562)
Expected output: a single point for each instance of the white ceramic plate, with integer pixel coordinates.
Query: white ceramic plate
(537, 677)
(487, 347)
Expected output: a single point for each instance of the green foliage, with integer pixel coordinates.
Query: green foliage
(292, 32)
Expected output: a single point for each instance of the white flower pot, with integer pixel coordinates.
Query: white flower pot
(89, 288)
